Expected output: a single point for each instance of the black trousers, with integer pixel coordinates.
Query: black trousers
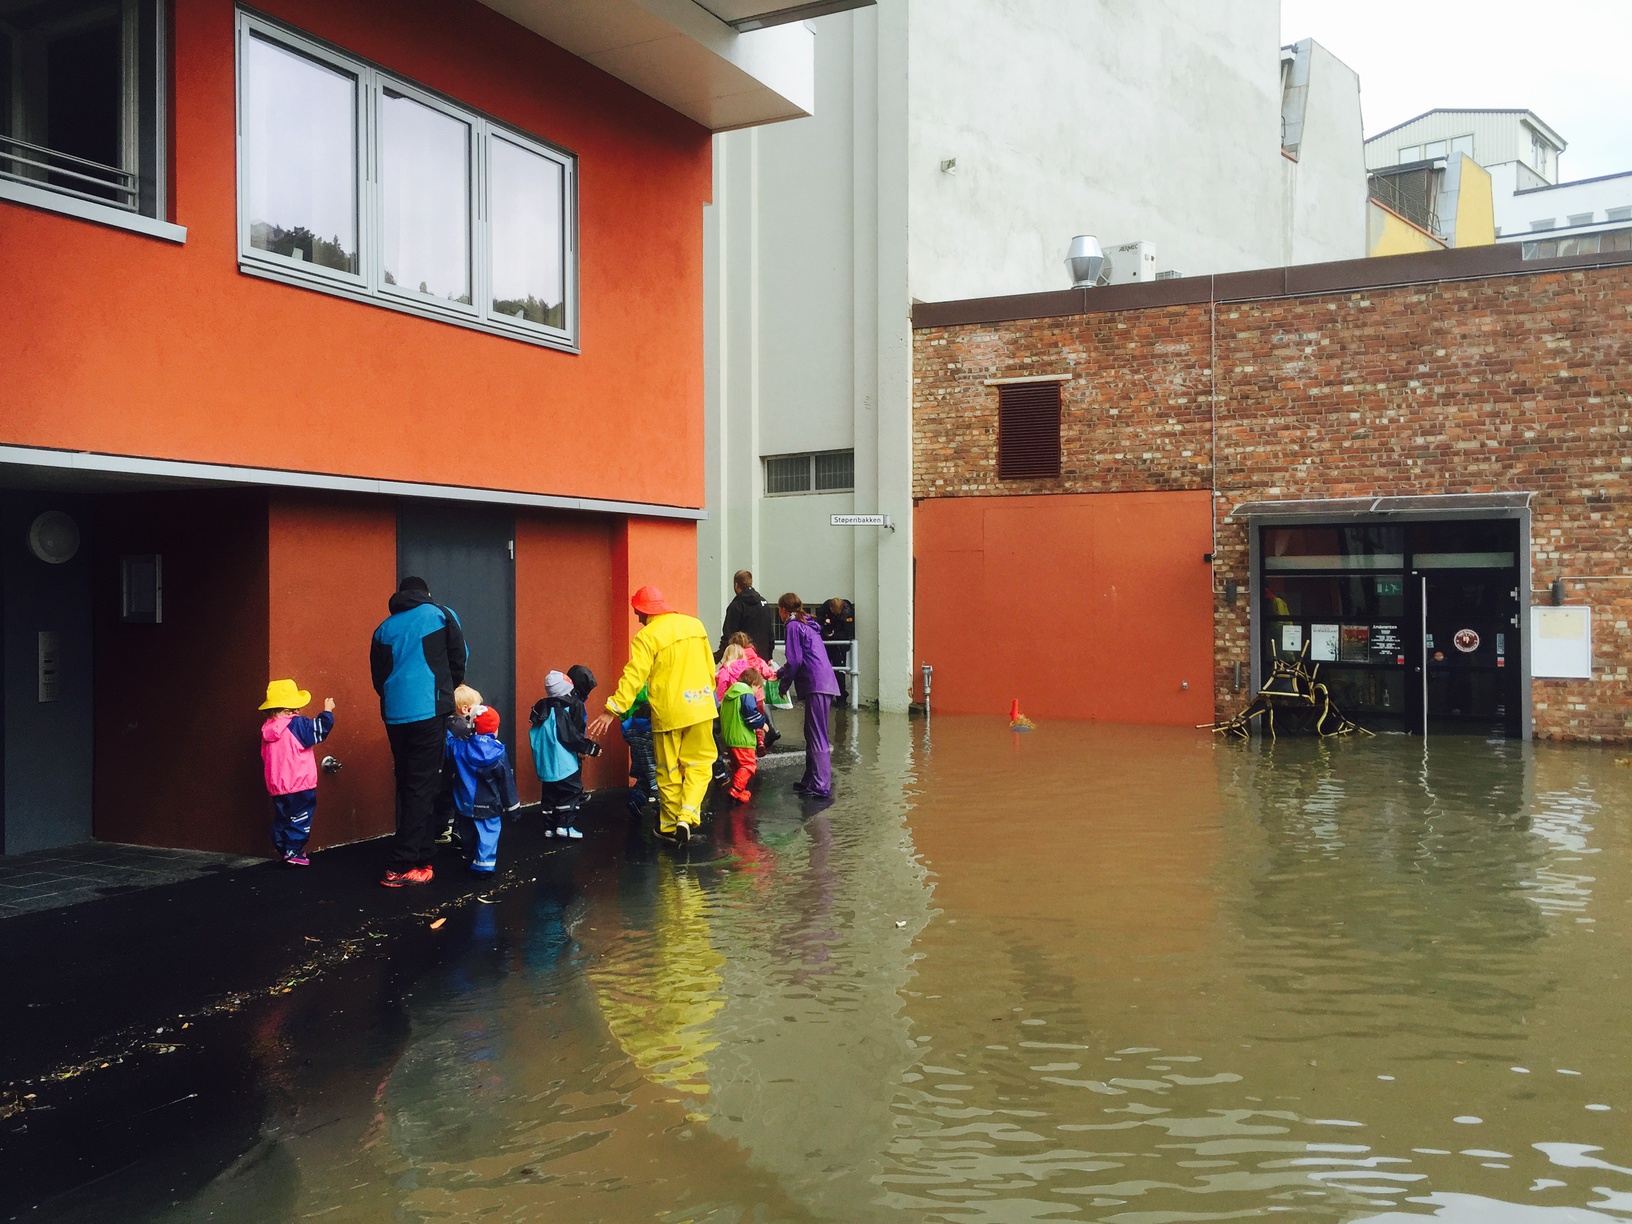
(563, 798)
(417, 751)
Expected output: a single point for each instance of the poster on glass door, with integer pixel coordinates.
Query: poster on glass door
(1323, 643)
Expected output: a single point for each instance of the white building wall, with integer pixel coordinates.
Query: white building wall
(790, 328)
(1324, 196)
(1590, 199)
(1159, 120)
(1156, 120)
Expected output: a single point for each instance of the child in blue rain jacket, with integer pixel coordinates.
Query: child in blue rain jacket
(484, 787)
(559, 737)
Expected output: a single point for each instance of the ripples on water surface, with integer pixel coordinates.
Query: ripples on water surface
(1093, 973)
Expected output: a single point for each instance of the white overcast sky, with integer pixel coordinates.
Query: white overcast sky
(1566, 60)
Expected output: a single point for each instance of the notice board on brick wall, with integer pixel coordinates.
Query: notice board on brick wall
(1561, 643)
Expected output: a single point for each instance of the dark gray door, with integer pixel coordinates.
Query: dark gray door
(45, 700)
(465, 553)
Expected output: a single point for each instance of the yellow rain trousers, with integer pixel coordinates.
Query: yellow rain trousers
(685, 763)
(670, 656)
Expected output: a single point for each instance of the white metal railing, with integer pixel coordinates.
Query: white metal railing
(38, 166)
(851, 668)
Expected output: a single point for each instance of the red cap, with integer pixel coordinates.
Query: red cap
(648, 601)
(487, 722)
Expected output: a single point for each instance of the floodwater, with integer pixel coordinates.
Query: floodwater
(1091, 973)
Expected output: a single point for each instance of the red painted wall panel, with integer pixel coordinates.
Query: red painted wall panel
(133, 345)
(564, 589)
(1092, 606)
(331, 564)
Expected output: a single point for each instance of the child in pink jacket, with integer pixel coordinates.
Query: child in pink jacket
(287, 740)
(739, 656)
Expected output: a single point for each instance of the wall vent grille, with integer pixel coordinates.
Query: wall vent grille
(1028, 431)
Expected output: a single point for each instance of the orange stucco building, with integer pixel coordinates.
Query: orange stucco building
(229, 421)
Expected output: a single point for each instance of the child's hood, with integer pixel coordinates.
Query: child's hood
(583, 680)
(272, 728)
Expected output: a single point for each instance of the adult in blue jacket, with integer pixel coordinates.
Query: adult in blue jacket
(417, 659)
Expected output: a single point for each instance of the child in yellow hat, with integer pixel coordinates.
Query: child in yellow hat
(287, 740)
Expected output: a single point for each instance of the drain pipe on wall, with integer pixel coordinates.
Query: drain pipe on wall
(1212, 400)
(928, 672)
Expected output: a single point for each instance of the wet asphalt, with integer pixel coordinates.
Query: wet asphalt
(120, 1018)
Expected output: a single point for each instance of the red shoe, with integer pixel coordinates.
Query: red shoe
(402, 879)
(741, 796)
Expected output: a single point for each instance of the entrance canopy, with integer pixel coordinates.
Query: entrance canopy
(1328, 509)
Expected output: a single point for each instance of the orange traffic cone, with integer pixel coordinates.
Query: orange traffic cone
(1017, 720)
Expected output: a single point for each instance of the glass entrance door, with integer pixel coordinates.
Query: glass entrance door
(1466, 667)
(1413, 625)
(1470, 649)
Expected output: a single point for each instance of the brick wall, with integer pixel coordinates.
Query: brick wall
(1511, 383)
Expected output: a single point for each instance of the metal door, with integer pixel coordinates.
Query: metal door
(467, 555)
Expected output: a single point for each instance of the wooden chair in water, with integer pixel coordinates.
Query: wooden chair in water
(1292, 685)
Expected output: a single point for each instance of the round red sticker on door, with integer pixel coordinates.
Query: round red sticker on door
(1466, 640)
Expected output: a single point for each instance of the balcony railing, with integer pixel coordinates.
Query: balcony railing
(22, 162)
(1405, 195)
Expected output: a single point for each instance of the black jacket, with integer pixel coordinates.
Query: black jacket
(749, 613)
(837, 626)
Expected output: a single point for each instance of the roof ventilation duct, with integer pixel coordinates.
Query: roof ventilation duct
(1087, 262)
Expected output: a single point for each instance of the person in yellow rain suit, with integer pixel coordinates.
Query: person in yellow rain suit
(673, 658)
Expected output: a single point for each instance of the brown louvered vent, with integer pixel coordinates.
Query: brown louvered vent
(1028, 430)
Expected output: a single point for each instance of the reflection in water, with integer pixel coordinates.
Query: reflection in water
(658, 985)
(1092, 973)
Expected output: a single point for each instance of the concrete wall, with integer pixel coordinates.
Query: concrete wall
(1388, 233)
(1159, 120)
(1324, 180)
(1466, 204)
(798, 271)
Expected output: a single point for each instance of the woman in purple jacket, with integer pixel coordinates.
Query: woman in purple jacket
(813, 678)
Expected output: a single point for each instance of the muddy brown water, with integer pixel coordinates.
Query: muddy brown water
(1091, 973)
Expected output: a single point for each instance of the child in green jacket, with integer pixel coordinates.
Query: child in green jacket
(742, 717)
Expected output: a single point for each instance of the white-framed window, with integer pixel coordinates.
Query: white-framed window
(356, 181)
(82, 95)
(811, 472)
(1539, 149)
(1462, 144)
(1410, 153)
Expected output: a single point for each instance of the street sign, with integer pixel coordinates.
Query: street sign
(862, 520)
